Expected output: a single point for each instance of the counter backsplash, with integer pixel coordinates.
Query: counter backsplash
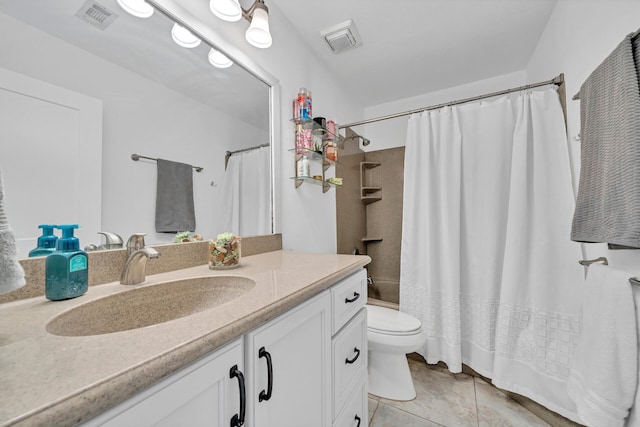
(106, 266)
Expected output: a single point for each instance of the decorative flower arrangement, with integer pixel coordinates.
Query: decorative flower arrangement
(185, 237)
(224, 252)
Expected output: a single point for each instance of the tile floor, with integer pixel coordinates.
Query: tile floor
(446, 399)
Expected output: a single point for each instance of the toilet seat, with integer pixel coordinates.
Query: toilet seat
(386, 321)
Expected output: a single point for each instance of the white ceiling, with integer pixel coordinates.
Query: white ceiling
(413, 47)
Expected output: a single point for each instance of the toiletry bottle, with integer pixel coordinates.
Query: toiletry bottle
(309, 106)
(46, 242)
(302, 102)
(66, 269)
(330, 151)
(303, 167)
(296, 110)
(300, 148)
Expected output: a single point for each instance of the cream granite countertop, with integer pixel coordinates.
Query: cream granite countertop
(49, 380)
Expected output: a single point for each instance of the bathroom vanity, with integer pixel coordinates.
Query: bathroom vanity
(295, 341)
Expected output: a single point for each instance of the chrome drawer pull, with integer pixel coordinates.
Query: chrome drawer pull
(350, 361)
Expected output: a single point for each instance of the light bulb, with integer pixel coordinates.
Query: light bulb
(184, 37)
(139, 8)
(219, 59)
(227, 10)
(258, 34)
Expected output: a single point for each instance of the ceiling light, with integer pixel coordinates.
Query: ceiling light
(139, 8)
(227, 10)
(184, 37)
(258, 34)
(219, 59)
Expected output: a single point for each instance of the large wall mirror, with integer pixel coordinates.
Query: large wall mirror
(83, 86)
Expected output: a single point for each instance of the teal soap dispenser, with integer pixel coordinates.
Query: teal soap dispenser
(66, 269)
(46, 242)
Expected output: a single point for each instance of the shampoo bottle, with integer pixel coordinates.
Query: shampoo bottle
(66, 269)
(46, 242)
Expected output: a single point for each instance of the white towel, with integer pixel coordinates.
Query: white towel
(604, 372)
(11, 272)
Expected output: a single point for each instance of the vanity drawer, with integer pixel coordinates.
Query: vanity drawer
(349, 355)
(355, 412)
(347, 297)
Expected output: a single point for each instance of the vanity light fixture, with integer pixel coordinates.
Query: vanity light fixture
(219, 59)
(184, 37)
(227, 10)
(258, 33)
(139, 8)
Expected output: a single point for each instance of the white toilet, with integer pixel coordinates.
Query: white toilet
(391, 335)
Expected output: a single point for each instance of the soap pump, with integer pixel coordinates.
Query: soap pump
(66, 269)
(46, 242)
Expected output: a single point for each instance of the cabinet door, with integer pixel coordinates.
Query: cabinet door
(203, 394)
(289, 368)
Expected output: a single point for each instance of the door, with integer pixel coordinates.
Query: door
(289, 368)
(58, 133)
(204, 394)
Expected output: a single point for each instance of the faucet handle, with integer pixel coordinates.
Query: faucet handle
(135, 242)
(113, 240)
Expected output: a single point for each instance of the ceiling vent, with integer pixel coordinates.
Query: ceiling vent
(342, 36)
(96, 14)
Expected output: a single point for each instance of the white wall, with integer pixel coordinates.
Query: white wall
(579, 35)
(140, 116)
(306, 216)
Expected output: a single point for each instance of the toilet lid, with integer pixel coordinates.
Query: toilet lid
(392, 322)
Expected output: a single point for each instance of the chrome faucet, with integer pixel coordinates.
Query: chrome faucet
(113, 241)
(137, 256)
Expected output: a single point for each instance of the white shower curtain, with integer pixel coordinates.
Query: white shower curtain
(487, 264)
(246, 197)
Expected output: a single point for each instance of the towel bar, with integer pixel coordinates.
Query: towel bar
(588, 262)
(136, 157)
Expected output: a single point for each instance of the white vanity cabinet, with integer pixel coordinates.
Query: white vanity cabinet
(206, 393)
(289, 368)
(307, 367)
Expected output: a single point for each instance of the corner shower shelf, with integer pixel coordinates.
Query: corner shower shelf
(369, 193)
(371, 239)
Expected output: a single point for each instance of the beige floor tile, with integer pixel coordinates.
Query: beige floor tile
(373, 405)
(496, 409)
(388, 416)
(442, 397)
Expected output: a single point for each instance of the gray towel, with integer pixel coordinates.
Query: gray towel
(174, 198)
(11, 272)
(608, 203)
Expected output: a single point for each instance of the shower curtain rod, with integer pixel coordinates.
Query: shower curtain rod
(231, 153)
(556, 81)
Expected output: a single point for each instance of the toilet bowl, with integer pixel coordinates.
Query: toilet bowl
(391, 334)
